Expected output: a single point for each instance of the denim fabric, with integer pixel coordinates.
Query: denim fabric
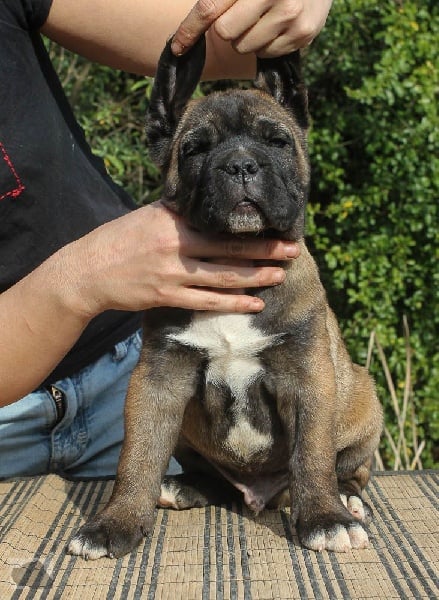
(86, 442)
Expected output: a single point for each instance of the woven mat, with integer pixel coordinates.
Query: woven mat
(217, 552)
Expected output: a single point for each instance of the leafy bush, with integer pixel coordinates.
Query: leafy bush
(373, 210)
(372, 216)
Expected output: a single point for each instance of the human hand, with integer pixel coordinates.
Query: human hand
(267, 27)
(151, 258)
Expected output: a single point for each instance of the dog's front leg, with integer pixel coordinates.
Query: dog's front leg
(154, 411)
(321, 519)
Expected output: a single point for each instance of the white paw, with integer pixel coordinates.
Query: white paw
(338, 539)
(167, 498)
(80, 546)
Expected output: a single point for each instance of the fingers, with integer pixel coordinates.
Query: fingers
(267, 27)
(231, 277)
(174, 274)
(201, 17)
(192, 244)
(200, 299)
(237, 248)
(278, 36)
(240, 18)
(286, 26)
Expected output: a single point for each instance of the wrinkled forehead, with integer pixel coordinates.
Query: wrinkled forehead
(235, 112)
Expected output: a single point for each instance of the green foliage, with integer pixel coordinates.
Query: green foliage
(372, 217)
(373, 222)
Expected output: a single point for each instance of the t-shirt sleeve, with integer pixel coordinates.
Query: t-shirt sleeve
(26, 14)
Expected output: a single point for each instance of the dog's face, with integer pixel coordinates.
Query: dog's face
(234, 161)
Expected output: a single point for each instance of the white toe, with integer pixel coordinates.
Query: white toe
(80, 547)
(358, 536)
(339, 540)
(356, 508)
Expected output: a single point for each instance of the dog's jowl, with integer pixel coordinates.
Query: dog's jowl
(267, 408)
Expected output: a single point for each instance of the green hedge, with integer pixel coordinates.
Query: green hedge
(372, 217)
(373, 209)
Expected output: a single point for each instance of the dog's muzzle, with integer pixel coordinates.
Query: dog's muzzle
(246, 217)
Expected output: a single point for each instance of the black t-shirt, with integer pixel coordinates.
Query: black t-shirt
(53, 190)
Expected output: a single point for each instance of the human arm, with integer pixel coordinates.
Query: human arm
(144, 259)
(131, 35)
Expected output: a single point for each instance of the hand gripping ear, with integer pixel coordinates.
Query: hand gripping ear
(281, 78)
(175, 82)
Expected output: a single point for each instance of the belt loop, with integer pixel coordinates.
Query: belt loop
(59, 399)
(120, 351)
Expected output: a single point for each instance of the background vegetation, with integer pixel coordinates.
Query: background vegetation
(372, 216)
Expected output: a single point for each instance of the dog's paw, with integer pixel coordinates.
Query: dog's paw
(359, 509)
(169, 496)
(182, 491)
(104, 537)
(336, 537)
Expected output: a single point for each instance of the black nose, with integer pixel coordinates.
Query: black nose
(244, 166)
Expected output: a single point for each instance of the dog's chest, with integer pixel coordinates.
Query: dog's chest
(233, 346)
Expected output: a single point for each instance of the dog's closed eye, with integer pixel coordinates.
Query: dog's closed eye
(196, 143)
(274, 134)
(193, 147)
(279, 141)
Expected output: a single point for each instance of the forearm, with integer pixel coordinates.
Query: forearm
(38, 327)
(131, 35)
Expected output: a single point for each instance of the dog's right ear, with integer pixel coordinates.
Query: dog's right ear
(175, 81)
(281, 78)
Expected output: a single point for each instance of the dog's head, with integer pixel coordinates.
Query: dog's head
(233, 161)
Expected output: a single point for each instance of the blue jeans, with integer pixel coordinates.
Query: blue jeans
(81, 438)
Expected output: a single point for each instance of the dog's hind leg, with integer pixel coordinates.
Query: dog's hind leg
(190, 490)
(354, 462)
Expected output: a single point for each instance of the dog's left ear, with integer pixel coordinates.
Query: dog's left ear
(281, 77)
(175, 81)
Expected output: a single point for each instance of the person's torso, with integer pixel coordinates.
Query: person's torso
(52, 189)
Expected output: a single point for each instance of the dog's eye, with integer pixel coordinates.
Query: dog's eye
(193, 147)
(279, 141)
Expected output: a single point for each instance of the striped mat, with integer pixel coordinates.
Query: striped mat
(218, 552)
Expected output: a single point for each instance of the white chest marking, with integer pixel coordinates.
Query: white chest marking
(233, 348)
(245, 441)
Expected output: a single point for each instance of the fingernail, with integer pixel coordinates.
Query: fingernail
(177, 48)
(291, 250)
(278, 276)
(256, 304)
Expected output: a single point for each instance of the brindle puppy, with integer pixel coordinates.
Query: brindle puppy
(268, 406)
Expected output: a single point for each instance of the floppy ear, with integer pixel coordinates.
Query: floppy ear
(174, 84)
(281, 78)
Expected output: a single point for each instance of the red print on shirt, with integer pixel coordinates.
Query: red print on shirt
(10, 182)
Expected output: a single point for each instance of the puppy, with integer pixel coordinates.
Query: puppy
(267, 406)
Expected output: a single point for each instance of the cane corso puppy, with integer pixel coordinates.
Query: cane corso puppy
(267, 406)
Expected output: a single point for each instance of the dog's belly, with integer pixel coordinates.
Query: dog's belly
(233, 346)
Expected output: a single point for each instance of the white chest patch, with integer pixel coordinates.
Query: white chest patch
(245, 441)
(233, 348)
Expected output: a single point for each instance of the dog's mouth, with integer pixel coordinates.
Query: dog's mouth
(246, 217)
